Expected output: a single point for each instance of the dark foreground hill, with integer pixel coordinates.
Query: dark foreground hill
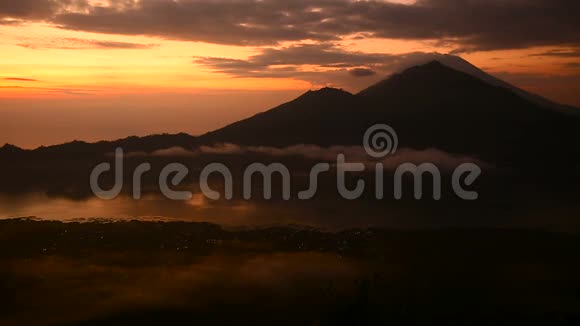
(80, 149)
(187, 273)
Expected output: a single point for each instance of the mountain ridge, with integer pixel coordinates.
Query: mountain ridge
(431, 105)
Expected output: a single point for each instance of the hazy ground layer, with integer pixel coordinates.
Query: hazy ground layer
(143, 272)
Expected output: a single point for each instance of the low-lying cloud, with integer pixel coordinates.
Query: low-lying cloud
(83, 44)
(21, 79)
(362, 72)
(355, 154)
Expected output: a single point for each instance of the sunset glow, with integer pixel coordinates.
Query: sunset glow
(59, 60)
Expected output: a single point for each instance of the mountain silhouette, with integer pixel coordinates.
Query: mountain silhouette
(323, 117)
(436, 106)
(447, 104)
(462, 65)
(429, 106)
(77, 148)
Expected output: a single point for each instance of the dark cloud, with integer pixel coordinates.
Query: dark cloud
(362, 72)
(477, 24)
(235, 22)
(23, 10)
(469, 25)
(20, 79)
(80, 44)
(280, 62)
(67, 91)
(573, 65)
(10, 22)
(575, 53)
(320, 64)
(327, 59)
(324, 57)
(472, 25)
(27, 9)
(119, 45)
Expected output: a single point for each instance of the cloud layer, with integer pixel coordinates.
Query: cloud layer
(470, 25)
(445, 161)
(320, 64)
(84, 44)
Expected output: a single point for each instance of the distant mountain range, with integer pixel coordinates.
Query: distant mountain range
(430, 106)
(447, 104)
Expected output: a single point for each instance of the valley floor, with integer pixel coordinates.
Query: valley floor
(121, 273)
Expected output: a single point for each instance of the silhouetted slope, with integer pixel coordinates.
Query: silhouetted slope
(435, 106)
(65, 169)
(322, 117)
(459, 64)
(430, 106)
(76, 148)
(9, 149)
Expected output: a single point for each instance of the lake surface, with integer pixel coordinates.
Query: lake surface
(321, 213)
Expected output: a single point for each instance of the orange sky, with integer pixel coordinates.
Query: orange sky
(32, 52)
(91, 87)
